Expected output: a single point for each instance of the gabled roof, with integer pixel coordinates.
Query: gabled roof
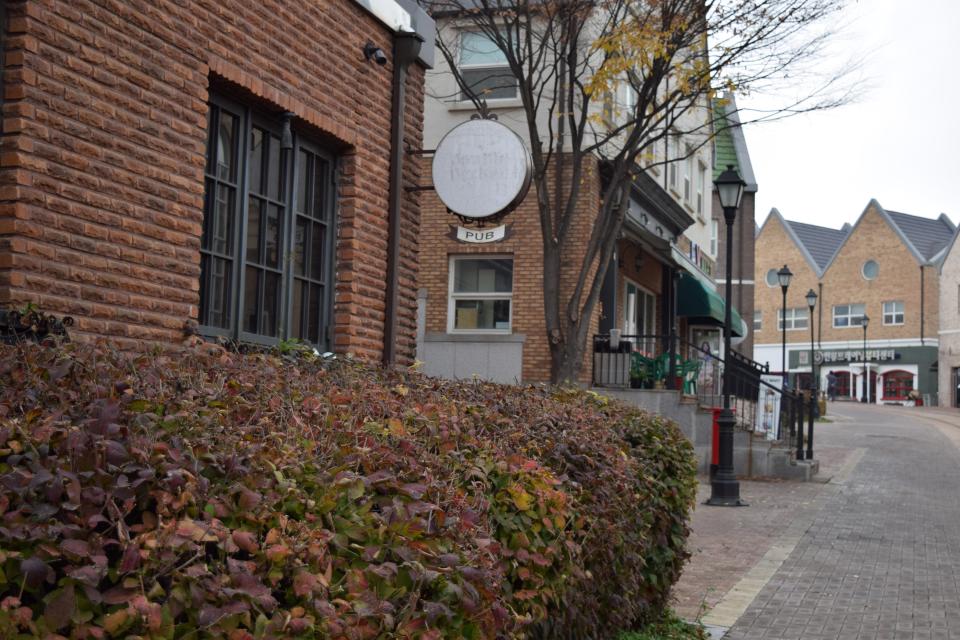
(820, 242)
(927, 236)
(730, 146)
(928, 240)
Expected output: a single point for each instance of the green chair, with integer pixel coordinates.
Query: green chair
(642, 367)
(691, 371)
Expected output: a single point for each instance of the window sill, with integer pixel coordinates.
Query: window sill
(461, 336)
(466, 105)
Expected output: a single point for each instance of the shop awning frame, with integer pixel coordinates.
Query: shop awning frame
(701, 305)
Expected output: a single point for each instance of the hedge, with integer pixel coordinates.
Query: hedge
(210, 494)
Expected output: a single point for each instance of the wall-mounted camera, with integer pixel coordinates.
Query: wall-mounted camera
(375, 53)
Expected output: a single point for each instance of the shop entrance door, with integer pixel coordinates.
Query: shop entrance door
(873, 387)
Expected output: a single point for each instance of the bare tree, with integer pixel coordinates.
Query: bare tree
(569, 59)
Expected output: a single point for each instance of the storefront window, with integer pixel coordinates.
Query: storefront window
(897, 385)
(640, 312)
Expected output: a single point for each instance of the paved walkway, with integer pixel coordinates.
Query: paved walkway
(874, 553)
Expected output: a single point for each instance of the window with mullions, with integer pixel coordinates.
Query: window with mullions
(267, 244)
(484, 68)
(796, 319)
(893, 312)
(848, 315)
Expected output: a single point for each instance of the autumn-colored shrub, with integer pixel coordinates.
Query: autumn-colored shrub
(215, 495)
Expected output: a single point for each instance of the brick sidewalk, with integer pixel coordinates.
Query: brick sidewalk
(872, 554)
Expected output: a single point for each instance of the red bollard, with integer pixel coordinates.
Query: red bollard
(715, 448)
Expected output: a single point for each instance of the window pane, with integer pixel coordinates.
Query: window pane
(300, 247)
(272, 239)
(317, 253)
(320, 179)
(302, 181)
(482, 314)
(214, 291)
(250, 290)
(313, 313)
(256, 161)
(296, 319)
(483, 276)
(478, 48)
(271, 304)
(253, 230)
(274, 177)
(227, 147)
(493, 84)
(218, 236)
(211, 140)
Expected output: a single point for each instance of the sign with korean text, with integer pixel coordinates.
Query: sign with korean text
(850, 355)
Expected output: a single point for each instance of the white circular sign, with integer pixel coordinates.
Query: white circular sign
(481, 168)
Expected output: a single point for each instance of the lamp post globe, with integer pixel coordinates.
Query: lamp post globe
(724, 487)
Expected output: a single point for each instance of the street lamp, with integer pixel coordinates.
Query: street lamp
(866, 375)
(814, 383)
(724, 488)
(784, 276)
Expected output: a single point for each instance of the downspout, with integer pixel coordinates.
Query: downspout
(406, 47)
(820, 318)
(922, 305)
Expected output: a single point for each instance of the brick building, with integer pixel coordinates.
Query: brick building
(730, 149)
(948, 334)
(665, 244)
(236, 166)
(884, 267)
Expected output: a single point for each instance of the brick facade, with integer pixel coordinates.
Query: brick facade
(843, 283)
(525, 246)
(104, 136)
(948, 362)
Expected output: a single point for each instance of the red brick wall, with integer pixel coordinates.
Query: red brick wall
(525, 245)
(104, 133)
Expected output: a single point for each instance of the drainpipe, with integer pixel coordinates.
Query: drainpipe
(921, 305)
(820, 317)
(406, 48)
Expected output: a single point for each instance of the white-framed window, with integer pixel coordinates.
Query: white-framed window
(627, 100)
(701, 181)
(688, 175)
(484, 68)
(797, 318)
(673, 152)
(640, 314)
(848, 315)
(757, 320)
(870, 270)
(893, 312)
(714, 236)
(772, 279)
(480, 294)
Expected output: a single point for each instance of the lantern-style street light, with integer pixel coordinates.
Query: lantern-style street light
(814, 384)
(724, 488)
(866, 374)
(783, 277)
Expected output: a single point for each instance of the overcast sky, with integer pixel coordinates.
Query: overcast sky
(900, 143)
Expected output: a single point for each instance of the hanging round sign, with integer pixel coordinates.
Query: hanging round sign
(481, 169)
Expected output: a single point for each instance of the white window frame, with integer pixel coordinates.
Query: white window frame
(776, 280)
(714, 237)
(794, 316)
(472, 67)
(688, 175)
(494, 295)
(701, 181)
(646, 345)
(672, 169)
(892, 314)
(757, 320)
(849, 315)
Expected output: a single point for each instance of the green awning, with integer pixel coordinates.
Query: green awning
(702, 305)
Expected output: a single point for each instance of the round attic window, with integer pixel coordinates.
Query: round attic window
(870, 269)
(772, 279)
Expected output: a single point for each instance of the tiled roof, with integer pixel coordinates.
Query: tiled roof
(928, 236)
(821, 242)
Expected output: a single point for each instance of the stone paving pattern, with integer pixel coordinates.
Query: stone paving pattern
(878, 556)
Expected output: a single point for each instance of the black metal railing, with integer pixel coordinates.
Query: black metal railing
(651, 361)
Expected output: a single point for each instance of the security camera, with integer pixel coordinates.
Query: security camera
(375, 53)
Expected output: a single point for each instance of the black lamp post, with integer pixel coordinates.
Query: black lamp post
(724, 488)
(814, 381)
(784, 276)
(866, 374)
